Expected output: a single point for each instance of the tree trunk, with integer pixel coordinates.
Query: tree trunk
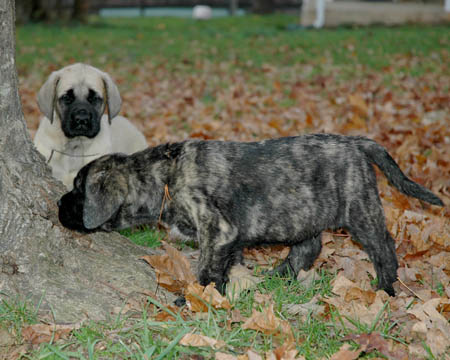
(73, 275)
(263, 6)
(80, 10)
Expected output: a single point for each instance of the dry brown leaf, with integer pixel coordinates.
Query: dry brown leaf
(16, 352)
(432, 325)
(305, 309)
(198, 296)
(438, 341)
(349, 291)
(285, 352)
(242, 357)
(224, 356)
(251, 355)
(266, 255)
(355, 123)
(165, 315)
(236, 316)
(374, 341)
(356, 270)
(345, 353)
(194, 300)
(173, 269)
(356, 303)
(307, 278)
(358, 104)
(240, 279)
(325, 254)
(262, 299)
(197, 340)
(442, 259)
(6, 338)
(268, 323)
(43, 333)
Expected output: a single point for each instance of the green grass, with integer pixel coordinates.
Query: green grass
(246, 43)
(144, 237)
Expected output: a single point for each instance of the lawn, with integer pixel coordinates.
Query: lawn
(252, 78)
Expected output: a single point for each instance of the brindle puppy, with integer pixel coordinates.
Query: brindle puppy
(231, 195)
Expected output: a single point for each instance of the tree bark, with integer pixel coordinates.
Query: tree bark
(34, 10)
(263, 6)
(71, 275)
(80, 10)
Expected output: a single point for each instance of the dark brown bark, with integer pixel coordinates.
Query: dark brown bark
(73, 275)
(80, 10)
(34, 10)
(263, 6)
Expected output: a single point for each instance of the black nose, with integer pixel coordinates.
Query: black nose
(59, 203)
(81, 117)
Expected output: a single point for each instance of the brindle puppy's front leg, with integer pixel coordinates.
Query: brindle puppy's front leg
(218, 253)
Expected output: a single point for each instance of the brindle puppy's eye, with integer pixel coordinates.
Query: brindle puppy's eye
(93, 97)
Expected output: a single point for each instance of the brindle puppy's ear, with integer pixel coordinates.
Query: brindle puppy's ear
(47, 95)
(105, 193)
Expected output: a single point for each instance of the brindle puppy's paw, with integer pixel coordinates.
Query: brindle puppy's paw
(285, 269)
(206, 277)
(388, 288)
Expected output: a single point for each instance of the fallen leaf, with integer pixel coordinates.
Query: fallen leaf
(438, 341)
(262, 299)
(312, 307)
(433, 325)
(198, 297)
(197, 340)
(266, 255)
(349, 291)
(242, 357)
(358, 104)
(356, 303)
(6, 338)
(374, 341)
(345, 353)
(224, 356)
(251, 355)
(307, 278)
(164, 315)
(44, 333)
(240, 279)
(236, 316)
(268, 323)
(287, 351)
(17, 352)
(173, 269)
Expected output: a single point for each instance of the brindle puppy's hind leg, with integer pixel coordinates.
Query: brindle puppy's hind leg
(301, 257)
(370, 230)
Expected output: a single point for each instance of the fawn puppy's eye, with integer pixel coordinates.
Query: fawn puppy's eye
(93, 98)
(68, 97)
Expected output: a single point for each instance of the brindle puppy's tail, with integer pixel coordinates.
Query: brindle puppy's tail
(379, 156)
